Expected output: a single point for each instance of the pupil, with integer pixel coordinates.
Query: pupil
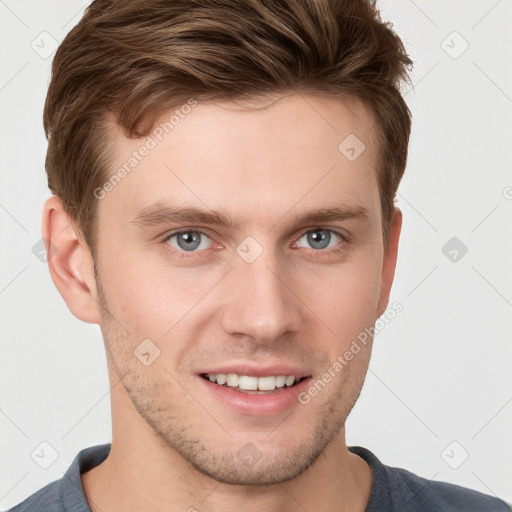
(189, 237)
(318, 238)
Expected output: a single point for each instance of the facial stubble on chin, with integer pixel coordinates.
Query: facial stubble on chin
(216, 459)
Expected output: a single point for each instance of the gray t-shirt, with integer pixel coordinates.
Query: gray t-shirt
(393, 490)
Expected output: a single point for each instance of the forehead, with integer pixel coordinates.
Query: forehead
(258, 158)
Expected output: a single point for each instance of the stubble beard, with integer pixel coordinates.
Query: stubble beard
(219, 460)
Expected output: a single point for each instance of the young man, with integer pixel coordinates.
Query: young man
(223, 177)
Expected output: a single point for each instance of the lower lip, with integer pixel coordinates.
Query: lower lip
(255, 404)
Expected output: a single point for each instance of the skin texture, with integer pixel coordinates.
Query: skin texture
(173, 446)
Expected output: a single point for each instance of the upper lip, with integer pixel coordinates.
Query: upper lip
(253, 370)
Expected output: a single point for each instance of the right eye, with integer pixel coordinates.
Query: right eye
(188, 241)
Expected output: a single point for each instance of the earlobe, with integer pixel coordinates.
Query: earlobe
(70, 262)
(389, 263)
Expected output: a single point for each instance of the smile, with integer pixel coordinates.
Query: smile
(246, 383)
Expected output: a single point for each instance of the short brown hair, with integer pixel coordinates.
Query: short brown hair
(136, 59)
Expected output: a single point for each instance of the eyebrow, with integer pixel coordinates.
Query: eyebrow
(160, 213)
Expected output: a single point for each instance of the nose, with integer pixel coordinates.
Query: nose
(262, 304)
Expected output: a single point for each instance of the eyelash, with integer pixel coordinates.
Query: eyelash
(322, 252)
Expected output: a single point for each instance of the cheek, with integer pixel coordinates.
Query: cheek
(151, 297)
(346, 298)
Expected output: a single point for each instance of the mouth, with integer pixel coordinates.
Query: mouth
(256, 395)
(254, 385)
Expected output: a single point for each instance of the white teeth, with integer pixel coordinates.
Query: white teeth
(232, 379)
(249, 383)
(290, 380)
(267, 383)
(280, 381)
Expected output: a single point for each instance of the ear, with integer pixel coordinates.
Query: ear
(70, 262)
(389, 262)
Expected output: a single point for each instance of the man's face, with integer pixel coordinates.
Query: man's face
(267, 296)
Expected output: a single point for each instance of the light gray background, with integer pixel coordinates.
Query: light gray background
(439, 385)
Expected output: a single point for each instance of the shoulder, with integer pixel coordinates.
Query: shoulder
(412, 492)
(399, 490)
(66, 494)
(45, 499)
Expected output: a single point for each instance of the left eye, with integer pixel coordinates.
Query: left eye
(188, 240)
(321, 238)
